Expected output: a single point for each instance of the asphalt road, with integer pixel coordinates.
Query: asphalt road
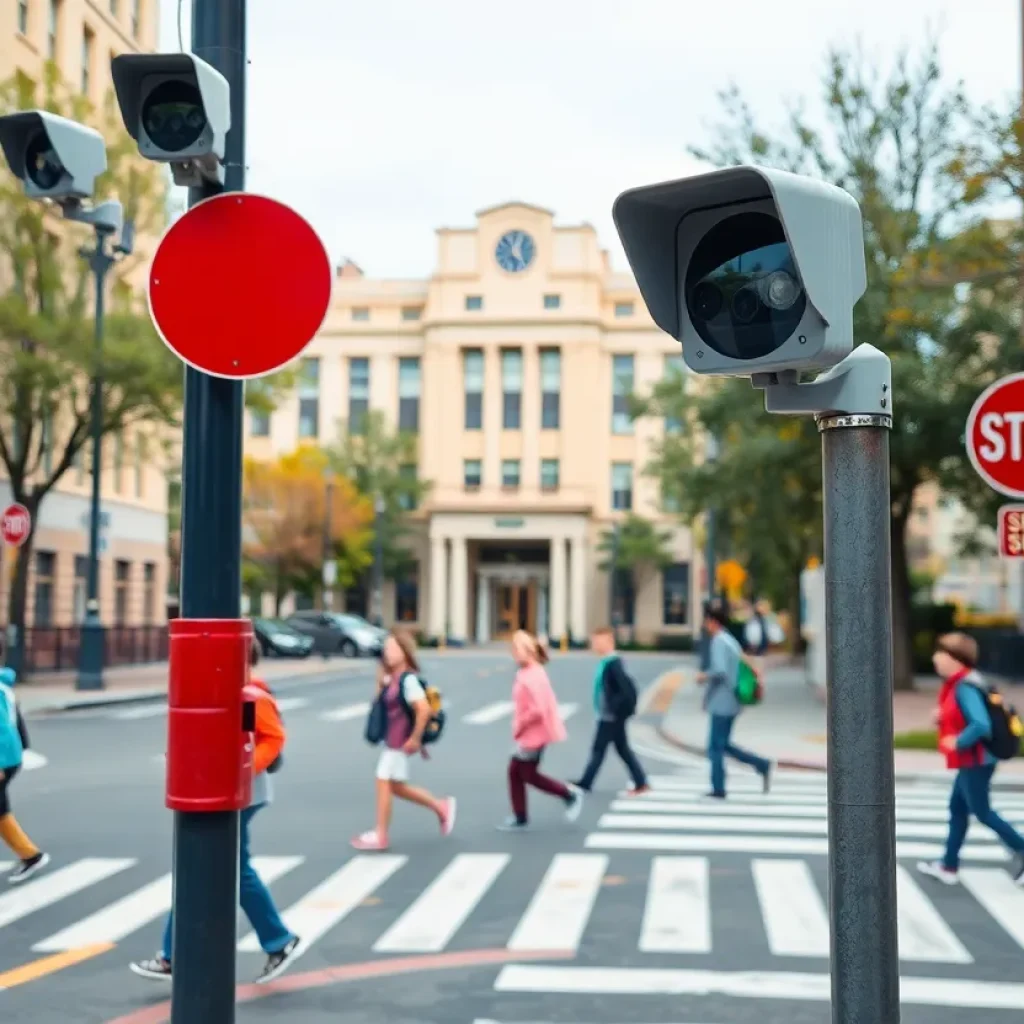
(656, 909)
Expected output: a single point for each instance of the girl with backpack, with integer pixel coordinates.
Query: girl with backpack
(967, 738)
(536, 723)
(407, 713)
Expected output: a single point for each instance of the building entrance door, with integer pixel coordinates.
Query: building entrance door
(516, 608)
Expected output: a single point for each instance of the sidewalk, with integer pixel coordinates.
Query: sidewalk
(789, 726)
(134, 684)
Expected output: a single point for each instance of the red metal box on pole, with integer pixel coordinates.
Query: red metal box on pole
(209, 722)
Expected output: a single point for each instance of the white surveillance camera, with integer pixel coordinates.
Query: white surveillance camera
(753, 270)
(54, 158)
(178, 108)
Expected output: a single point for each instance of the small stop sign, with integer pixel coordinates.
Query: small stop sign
(17, 522)
(995, 436)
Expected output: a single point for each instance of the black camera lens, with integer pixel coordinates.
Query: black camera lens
(706, 300)
(173, 116)
(42, 165)
(745, 304)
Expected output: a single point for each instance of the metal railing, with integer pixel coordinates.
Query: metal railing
(55, 648)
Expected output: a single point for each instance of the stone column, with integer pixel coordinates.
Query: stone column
(483, 609)
(577, 589)
(458, 589)
(438, 587)
(558, 590)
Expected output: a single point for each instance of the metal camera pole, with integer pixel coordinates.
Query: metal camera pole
(206, 844)
(853, 405)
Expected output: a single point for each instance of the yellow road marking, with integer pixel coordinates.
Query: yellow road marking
(665, 688)
(51, 964)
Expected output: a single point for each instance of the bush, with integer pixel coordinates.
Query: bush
(921, 739)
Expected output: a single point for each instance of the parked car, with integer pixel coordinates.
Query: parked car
(277, 638)
(338, 633)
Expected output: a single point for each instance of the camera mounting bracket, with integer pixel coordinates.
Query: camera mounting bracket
(860, 385)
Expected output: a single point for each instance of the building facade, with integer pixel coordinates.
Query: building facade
(80, 37)
(512, 364)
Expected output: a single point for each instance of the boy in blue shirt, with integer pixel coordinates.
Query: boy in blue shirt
(13, 744)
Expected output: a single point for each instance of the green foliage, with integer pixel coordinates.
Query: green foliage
(641, 546)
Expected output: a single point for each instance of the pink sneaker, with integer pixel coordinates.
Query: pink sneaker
(448, 818)
(369, 841)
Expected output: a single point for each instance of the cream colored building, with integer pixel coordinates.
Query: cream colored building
(512, 363)
(81, 36)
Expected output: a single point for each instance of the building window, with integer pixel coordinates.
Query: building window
(409, 394)
(473, 387)
(118, 463)
(149, 593)
(412, 312)
(361, 313)
(624, 605)
(78, 593)
(510, 474)
(46, 566)
(472, 474)
(259, 423)
(550, 388)
(622, 486)
(511, 388)
(52, 28)
(23, 17)
(136, 17)
(474, 303)
(675, 370)
(623, 308)
(407, 496)
(309, 397)
(552, 301)
(141, 454)
(549, 474)
(622, 388)
(122, 583)
(87, 39)
(358, 393)
(675, 594)
(407, 596)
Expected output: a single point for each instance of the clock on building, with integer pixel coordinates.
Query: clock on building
(515, 251)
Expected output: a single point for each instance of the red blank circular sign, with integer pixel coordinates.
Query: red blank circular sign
(16, 524)
(995, 435)
(239, 285)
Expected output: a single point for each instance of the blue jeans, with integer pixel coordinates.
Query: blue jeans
(971, 796)
(719, 748)
(254, 897)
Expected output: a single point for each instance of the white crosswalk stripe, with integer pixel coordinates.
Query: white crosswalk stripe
(347, 712)
(50, 888)
(489, 713)
(141, 711)
(677, 914)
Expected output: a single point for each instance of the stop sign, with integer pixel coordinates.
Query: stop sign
(17, 522)
(239, 285)
(995, 435)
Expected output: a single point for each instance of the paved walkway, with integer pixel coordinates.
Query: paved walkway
(789, 726)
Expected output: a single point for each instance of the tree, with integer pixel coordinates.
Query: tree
(284, 518)
(382, 464)
(640, 548)
(889, 138)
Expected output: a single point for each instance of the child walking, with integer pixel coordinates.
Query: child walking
(13, 744)
(536, 723)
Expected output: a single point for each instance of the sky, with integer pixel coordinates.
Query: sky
(382, 121)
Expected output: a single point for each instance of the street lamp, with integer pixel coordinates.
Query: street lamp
(613, 574)
(330, 567)
(91, 648)
(380, 507)
(711, 449)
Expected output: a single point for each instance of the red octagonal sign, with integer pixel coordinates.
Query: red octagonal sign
(16, 524)
(239, 285)
(995, 435)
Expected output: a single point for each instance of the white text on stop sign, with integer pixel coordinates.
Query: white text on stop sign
(996, 428)
(16, 523)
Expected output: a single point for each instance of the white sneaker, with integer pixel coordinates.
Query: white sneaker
(939, 871)
(575, 807)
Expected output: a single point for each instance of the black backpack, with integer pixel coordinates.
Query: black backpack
(1007, 727)
(622, 700)
(435, 726)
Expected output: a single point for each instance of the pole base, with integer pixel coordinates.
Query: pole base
(91, 656)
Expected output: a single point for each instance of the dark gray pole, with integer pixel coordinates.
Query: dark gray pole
(861, 801)
(92, 642)
(326, 580)
(613, 577)
(378, 564)
(206, 844)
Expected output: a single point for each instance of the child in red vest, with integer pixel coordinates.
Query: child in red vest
(964, 726)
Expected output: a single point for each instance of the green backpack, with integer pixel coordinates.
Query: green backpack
(748, 689)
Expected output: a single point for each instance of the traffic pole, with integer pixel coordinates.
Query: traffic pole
(861, 777)
(206, 843)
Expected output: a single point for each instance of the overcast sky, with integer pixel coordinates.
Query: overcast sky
(383, 121)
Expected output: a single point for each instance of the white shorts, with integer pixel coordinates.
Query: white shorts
(393, 766)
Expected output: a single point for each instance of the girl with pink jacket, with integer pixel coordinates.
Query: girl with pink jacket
(536, 722)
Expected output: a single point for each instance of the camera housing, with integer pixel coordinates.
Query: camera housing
(753, 270)
(178, 109)
(54, 158)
